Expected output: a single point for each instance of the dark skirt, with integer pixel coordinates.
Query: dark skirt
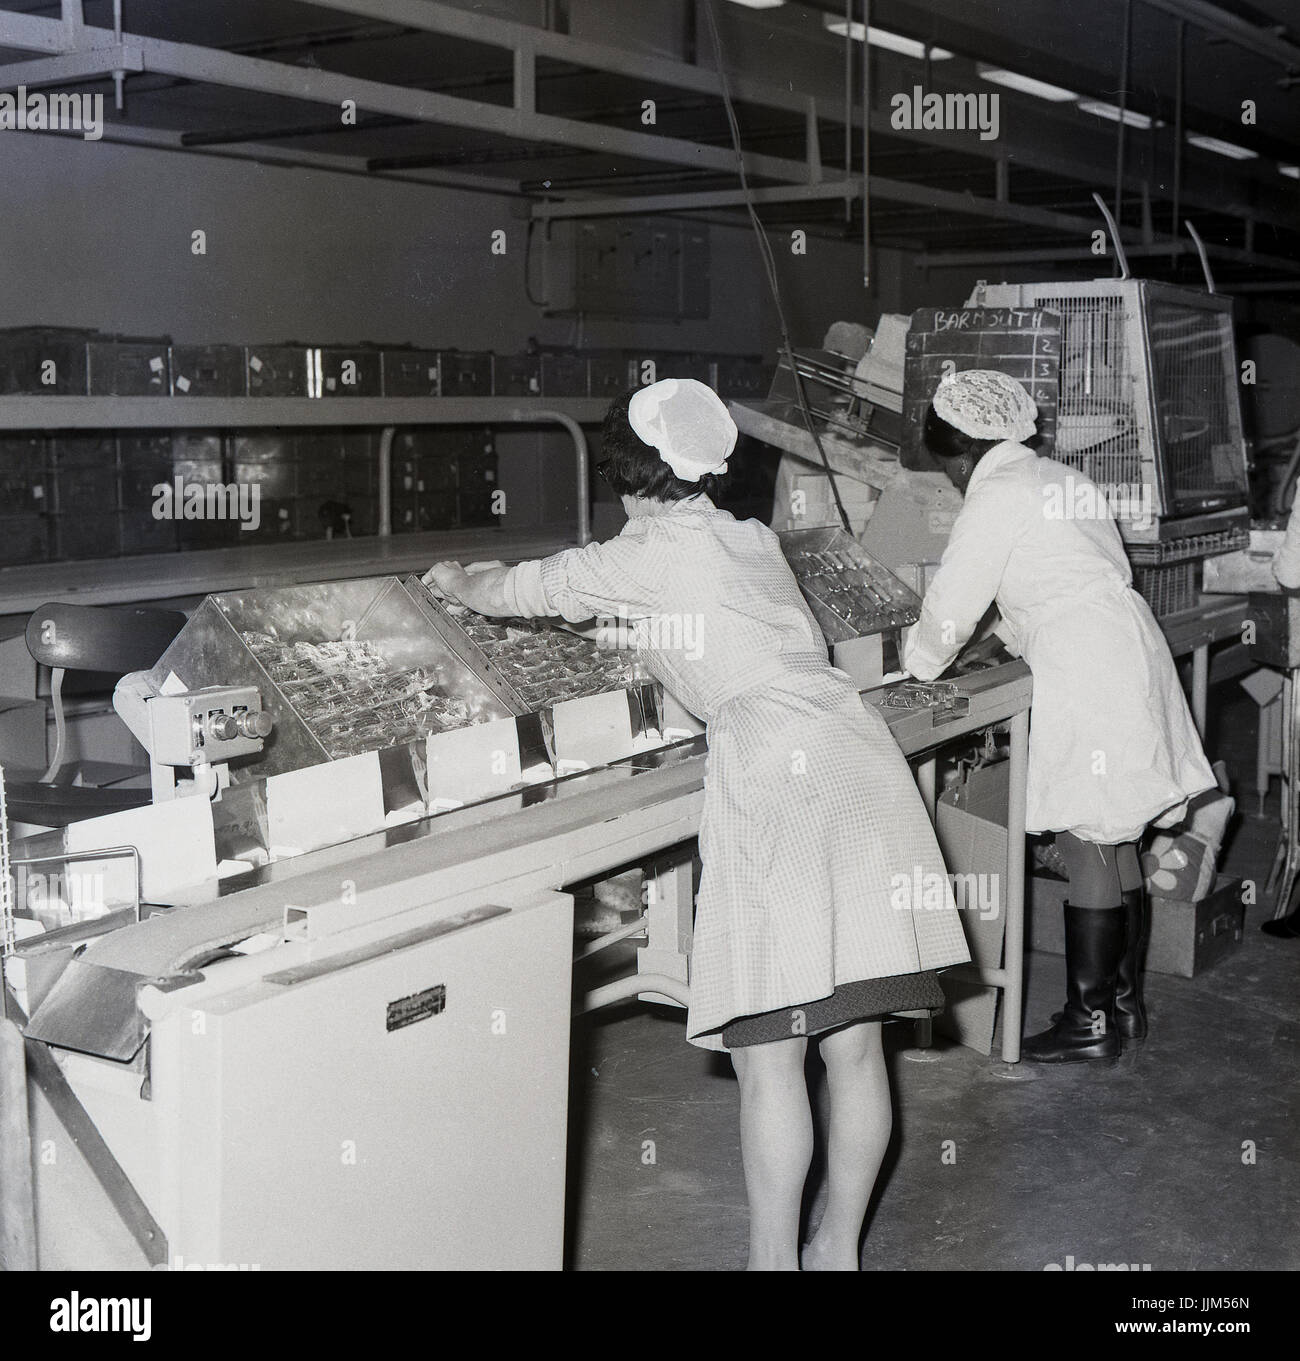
(865, 1000)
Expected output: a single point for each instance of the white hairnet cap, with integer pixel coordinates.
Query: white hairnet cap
(688, 423)
(986, 404)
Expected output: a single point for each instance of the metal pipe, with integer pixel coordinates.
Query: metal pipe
(848, 104)
(812, 142)
(99, 853)
(1200, 250)
(866, 144)
(119, 76)
(636, 928)
(386, 481)
(17, 1198)
(633, 986)
(1120, 257)
(1123, 110)
(1014, 950)
(582, 459)
(1179, 56)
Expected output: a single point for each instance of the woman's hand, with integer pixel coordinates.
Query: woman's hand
(479, 586)
(449, 578)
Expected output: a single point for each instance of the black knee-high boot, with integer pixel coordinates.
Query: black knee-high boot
(1094, 943)
(1130, 1009)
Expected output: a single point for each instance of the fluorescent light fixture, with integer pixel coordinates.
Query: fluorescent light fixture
(1237, 153)
(1111, 111)
(880, 37)
(1027, 85)
(1291, 171)
(759, 4)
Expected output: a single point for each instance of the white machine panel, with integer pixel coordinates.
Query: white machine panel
(400, 1106)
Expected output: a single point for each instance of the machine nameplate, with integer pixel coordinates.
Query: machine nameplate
(419, 1006)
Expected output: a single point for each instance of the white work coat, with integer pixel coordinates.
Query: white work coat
(1286, 563)
(1112, 746)
(820, 864)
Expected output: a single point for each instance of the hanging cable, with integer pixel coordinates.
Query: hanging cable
(769, 264)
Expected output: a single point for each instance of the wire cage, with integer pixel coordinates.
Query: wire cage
(1169, 588)
(1149, 402)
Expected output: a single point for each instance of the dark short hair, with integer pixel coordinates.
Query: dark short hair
(635, 468)
(946, 442)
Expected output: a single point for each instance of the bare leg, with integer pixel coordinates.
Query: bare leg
(861, 1121)
(776, 1140)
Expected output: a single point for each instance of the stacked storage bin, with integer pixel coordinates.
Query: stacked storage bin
(24, 500)
(145, 463)
(85, 509)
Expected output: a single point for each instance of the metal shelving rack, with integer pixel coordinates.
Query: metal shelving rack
(197, 413)
(25, 414)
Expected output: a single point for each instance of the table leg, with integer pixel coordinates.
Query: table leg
(1200, 685)
(1289, 846)
(1013, 993)
(670, 919)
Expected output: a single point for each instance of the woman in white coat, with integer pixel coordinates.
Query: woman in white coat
(1112, 746)
(812, 827)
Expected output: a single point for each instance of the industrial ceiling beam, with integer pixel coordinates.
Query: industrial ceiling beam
(474, 26)
(1046, 254)
(1212, 19)
(213, 66)
(1202, 14)
(158, 139)
(888, 190)
(901, 191)
(203, 65)
(637, 205)
(72, 66)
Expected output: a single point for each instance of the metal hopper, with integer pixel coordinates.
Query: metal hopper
(342, 666)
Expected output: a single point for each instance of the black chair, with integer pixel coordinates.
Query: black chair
(86, 638)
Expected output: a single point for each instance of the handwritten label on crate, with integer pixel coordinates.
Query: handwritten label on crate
(1024, 342)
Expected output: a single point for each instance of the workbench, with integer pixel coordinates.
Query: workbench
(411, 892)
(1215, 619)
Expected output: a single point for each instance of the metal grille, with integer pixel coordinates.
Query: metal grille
(1169, 589)
(1196, 402)
(1097, 425)
(1208, 545)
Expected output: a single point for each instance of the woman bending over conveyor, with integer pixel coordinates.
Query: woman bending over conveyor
(1112, 746)
(811, 817)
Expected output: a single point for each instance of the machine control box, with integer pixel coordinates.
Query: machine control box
(207, 726)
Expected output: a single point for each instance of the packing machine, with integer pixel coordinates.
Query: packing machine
(319, 1017)
(309, 1007)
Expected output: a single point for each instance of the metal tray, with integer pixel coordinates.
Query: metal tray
(851, 595)
(586, 668)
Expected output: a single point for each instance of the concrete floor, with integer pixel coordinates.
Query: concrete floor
(1141, 1163)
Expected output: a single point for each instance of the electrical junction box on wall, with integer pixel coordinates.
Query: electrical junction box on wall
(639, 268)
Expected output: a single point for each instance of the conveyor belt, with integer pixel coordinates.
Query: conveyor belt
(541, 838)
